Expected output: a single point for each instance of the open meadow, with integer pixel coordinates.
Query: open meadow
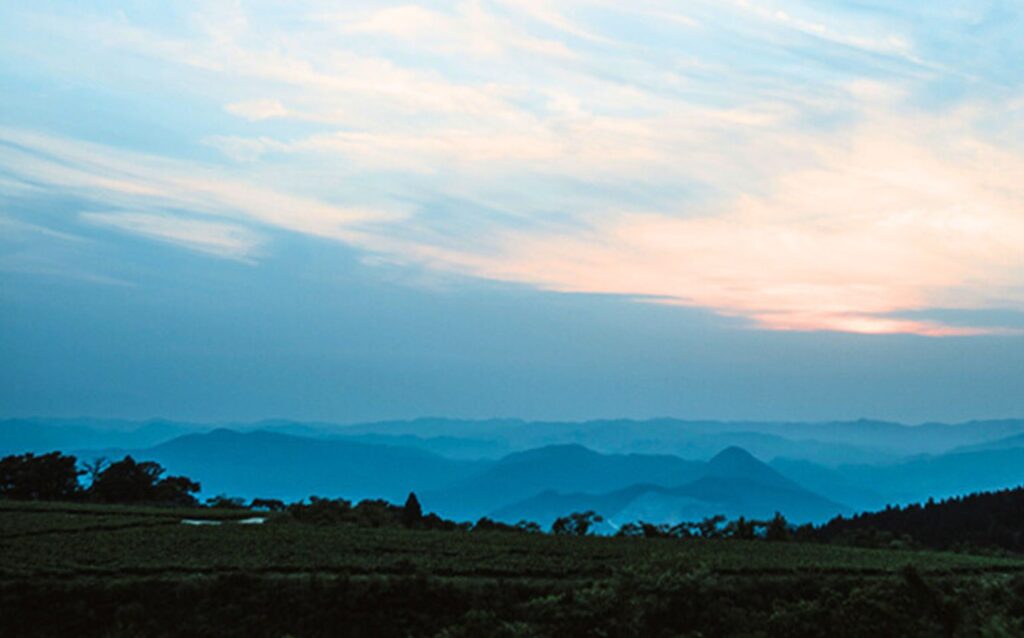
(115, 570)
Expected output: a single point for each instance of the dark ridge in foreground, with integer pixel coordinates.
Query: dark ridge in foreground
(990, 519)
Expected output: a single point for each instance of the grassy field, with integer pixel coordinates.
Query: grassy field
(38, 540)
(107, 570)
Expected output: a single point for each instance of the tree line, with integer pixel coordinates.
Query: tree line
(776, 528)
(57, 477)
(981, 520)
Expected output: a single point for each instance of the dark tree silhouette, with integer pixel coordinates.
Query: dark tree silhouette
(48, 477)
(777, 528)
(710, 527)
(94, 468)
(643, 529)
(126, 481)
(322, 511)
(576, 524)
(412, 513)
(225, 502)
(175, 490)
(269, 504)
(987, 519)
(376, 513)
(129, 481)
(742, 529)
(486, 524)
(529, 527)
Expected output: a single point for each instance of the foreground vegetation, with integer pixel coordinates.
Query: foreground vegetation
(132, 552)
(974, 522)
(90, 569)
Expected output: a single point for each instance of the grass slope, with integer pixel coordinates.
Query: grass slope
(117, 571)
(69, 541)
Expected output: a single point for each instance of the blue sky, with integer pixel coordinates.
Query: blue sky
(360, 210)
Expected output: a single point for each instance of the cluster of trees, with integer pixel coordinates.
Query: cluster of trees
(49, 477)
(775, 529)
(56, 477)
(366, 513)
(380, 513)
(576, 524)
(987, 519)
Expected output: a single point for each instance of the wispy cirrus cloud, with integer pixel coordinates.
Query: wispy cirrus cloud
(214, 238)
(467, 30)
(256, 110)
(802, 168)
(140, 181)
(894, 216)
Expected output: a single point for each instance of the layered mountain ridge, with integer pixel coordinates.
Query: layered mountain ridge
(509, 469)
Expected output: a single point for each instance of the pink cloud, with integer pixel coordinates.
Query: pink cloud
(902, 215)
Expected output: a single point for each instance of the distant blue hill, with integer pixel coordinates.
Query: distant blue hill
(944, 475)
(448, 446)
(18, 436)
(464, 468)
(828, 443)
(1006, 443)
(272, 465)
(559, 467)
(733, 483)
(833, 443)
(833, 484)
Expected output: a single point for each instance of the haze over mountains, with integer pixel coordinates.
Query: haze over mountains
(660, 471)
(733, 483)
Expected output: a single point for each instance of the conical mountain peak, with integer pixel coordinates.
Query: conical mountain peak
(736, 463)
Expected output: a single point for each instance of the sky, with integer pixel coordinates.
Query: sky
(349, 211)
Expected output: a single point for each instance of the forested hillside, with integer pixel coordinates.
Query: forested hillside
(989, 519)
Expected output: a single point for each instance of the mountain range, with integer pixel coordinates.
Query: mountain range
(274, 465)
(733, 483)
(511, 470)
(565, 468)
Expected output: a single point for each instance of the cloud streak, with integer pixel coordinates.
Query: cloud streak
(899, 215)
(133, 180)
(222, 240)
(800, 169)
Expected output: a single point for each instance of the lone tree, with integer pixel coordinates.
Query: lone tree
(412, 513)
(48, 477)
(576, 524)
(777, 529)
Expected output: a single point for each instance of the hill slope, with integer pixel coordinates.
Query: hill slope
(989, 519)
(289, 467)
(18, 436)
(827, 442)
(562, 468)
(942, 476)
(733, 483)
